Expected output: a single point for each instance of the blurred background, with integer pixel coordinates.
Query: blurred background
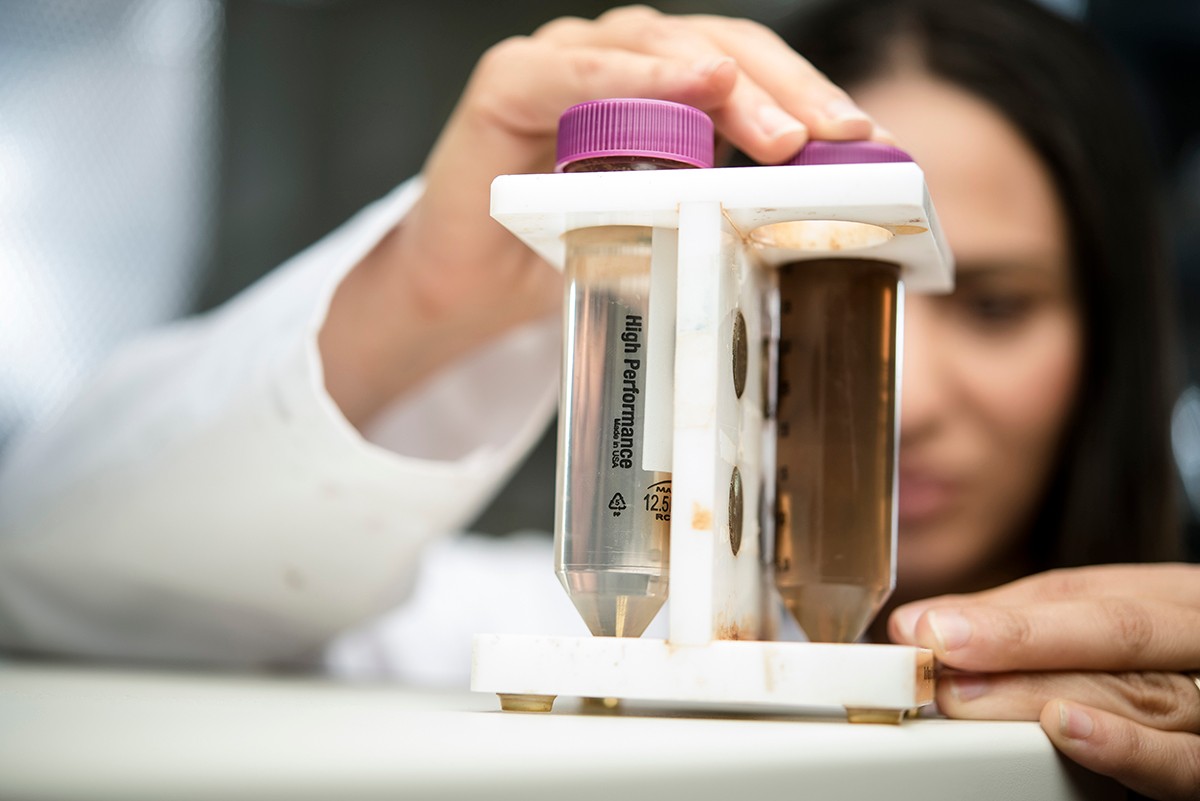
(157, 156)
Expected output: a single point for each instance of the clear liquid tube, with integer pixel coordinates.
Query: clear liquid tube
(615, 517)
(612, 521)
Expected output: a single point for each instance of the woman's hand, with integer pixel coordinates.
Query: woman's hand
(450, 278)
(1099, 655)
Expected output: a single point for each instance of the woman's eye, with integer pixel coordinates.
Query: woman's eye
(995, 308)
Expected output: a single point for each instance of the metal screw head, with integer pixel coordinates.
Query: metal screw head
(735, 511)
(741, 355)
(768, 405)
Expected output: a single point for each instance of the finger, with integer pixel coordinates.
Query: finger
(1164, 701)
(1168, 582)
(799, 87)
(753, 121)
(1103, 634)
(902, 622)
(777, 89)
(1177, 583)
(1158, 764)
(748, 116)
(523, 85)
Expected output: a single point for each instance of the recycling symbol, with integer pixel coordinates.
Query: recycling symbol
(617, 504)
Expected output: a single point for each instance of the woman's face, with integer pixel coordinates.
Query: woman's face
(990, 371)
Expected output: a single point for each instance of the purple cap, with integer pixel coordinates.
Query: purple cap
(636, 127)
(857, 152)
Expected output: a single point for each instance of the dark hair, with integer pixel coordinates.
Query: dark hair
(1111, 495)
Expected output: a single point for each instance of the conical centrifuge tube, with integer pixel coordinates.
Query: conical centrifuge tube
(612, 522)
(836, 415)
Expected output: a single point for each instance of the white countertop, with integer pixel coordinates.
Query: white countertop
(95, 733)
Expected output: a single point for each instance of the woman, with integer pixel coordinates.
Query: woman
(1036, 397)
(1035, 401)
(203, 500)
(1096, 326)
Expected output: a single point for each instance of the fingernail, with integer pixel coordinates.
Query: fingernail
(906, 618)
(775, 122)
(706, 67)
(950, 629)
(1074, 723)
(845, 111)
(968, 688)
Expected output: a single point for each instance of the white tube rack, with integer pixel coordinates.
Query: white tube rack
(719, 648)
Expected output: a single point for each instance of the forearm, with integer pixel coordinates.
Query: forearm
(205, 500)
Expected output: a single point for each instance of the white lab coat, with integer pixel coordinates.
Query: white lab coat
(204, 501)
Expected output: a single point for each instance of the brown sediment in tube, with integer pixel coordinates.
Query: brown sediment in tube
(836, 422)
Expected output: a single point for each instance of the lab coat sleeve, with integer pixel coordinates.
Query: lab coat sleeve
(203, 500)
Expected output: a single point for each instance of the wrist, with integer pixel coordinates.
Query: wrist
(399, 316)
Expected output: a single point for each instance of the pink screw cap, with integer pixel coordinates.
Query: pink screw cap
(855, 152)
(637, 127)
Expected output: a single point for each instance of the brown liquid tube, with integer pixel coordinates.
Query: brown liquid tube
(836, 411)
